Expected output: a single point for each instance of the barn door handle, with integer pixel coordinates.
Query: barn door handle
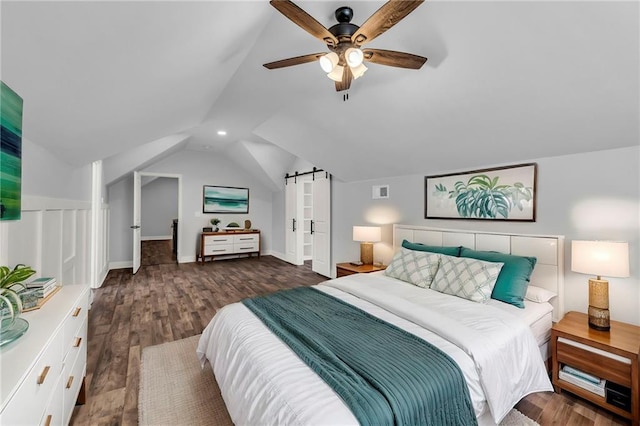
(294, 224)
(135, 227)
(312, 227)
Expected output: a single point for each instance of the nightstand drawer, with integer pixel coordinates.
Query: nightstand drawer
(594, 361)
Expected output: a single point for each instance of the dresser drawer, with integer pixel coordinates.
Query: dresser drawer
(30, 401)
(210, 240)
(218, 249)
(53, 411)
(246, 247)
(74, 372)
(245, 238)
(74, 321)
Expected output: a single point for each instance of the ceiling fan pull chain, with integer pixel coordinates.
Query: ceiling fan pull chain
(345, 97)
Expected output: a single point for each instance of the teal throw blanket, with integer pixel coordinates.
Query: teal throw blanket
(385, 375)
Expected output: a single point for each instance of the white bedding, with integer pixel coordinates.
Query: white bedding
(264, 382)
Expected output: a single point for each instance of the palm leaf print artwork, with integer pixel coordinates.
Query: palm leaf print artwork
(500, 193)
(483, 197)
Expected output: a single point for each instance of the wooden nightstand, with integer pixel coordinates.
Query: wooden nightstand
(612, 355)
(344, 269)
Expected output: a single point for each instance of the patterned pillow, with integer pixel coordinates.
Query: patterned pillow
(415, 267)
(467, 278)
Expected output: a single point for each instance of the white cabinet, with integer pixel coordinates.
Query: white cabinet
(36, 369)
(229, 243)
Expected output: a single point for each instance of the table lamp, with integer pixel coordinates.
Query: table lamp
(367, 235)
(608, 258)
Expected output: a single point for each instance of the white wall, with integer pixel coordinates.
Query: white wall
(53, 233)
(197, 169)
(585, 196)
(159, 207)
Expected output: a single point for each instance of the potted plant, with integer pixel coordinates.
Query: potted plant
(214, 223)
(11, 284)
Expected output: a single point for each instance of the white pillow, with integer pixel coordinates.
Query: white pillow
(468, 278)
(539, 294)
(415, 267)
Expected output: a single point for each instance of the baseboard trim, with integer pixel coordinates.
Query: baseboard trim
(121, 265)
(277, 254)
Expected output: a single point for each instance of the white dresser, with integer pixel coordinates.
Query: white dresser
(42, 372)
(229, 243)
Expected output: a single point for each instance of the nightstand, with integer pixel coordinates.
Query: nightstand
(344, 269)
(611, 355)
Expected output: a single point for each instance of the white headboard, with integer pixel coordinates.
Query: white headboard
(548, 249)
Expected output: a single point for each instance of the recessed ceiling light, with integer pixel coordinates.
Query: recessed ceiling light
(222, 132)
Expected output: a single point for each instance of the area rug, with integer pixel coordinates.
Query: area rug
(174, 390)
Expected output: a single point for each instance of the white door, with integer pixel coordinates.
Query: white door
(293, 225)
(137, 189)
(321, 225)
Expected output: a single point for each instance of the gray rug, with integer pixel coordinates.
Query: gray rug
(174, 390)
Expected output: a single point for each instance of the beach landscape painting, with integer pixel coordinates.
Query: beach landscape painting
(225, 199)
(10, 153)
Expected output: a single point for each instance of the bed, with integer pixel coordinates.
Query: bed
(263, 381)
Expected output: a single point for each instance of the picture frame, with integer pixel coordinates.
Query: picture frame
(500, 193)
(225, 199)
(11, 108)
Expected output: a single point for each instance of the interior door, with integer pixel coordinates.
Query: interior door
(321, 225)
(137, 190)
(291, 226)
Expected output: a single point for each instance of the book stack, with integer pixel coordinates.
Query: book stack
(43, 286)
(584, 380)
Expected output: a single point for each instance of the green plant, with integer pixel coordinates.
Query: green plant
(482, 197)
(11, 284)
(215, 221)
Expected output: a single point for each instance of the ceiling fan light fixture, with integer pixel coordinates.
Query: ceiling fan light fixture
(354, 57)
(329, 61)
(336, 74)
(358, 71)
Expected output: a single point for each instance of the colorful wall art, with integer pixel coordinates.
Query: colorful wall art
(10, 153)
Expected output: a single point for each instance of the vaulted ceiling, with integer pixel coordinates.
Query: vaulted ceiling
(505, 82)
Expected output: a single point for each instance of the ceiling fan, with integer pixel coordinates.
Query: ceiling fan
(344, 62)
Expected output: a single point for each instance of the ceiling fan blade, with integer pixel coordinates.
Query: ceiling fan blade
(384, 18)
(294, 61)
(304, 21)
(394, 59)
(347, 77)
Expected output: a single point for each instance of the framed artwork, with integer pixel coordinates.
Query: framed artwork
(225, 199)
(500, 193)
(10, 153)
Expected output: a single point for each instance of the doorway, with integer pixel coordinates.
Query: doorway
(157, 220)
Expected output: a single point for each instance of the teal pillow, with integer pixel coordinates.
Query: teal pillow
(513, 280)
(449, 251)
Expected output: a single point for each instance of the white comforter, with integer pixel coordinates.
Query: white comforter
(264, 382)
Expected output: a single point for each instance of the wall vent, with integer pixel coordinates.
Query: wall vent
(380, 191)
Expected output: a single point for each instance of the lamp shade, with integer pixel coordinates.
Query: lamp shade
(606, 258)
(336, 74)
(329, 61)
(353, 56)
(369, 234)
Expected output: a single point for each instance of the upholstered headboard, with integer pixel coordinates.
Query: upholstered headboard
(548, 249)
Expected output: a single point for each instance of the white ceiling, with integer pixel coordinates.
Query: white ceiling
(506, 81)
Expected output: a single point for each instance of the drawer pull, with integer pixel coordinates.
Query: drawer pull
(246, 239)
(77, 342)
(246, 248)
(77, 311)
(219, 250)
(43, 375)
(47, 422)
(69, 382)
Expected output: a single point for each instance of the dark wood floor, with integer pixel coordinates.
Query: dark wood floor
(169, 301)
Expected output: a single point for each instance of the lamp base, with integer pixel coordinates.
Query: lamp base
(366, 253)
(599, 304)
(599, 318)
